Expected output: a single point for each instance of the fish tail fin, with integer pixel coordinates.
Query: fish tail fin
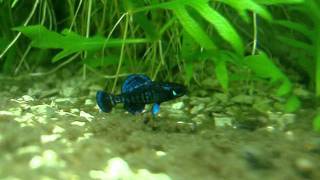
(105, 101)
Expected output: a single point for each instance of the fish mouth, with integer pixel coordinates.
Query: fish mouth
(179, 89)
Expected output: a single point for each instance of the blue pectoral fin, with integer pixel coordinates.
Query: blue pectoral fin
(155, 109)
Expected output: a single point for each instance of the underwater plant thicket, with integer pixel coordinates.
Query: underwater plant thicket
(270, 40)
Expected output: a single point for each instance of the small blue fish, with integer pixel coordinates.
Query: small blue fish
(137, 91)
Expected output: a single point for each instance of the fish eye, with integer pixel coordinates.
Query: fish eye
(174, 93)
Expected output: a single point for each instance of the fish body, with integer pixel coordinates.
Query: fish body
(137, 91)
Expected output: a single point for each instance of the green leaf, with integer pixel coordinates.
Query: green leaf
(188, 72)
(296, 43)
(317, 68)
(265, 68)
(285, 87)
(193, 28)
(243, 5)
(316, 123)
(190, 49)
(222, 25)
(297, 27)
(169, 5)
(292, 104)
(222, 74)
(275, 2)
(68, 41)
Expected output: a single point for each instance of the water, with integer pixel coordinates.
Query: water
(51, 128)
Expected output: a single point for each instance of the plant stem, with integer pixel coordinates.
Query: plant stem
(87, 36)
(121, 54)
(35, 5)
(255, 34)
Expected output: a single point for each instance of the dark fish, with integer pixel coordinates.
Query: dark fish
(137, 91)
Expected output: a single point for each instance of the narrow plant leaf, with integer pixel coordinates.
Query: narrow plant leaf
(222, 74)
(296, 43)
(285, 87)
(43, 38)
(296, 26)
(68, 41)
(168, 5)
(63, 54)
(242, 5)
(276, 2)
(189, 48)
(193, 28)
(265, 68)
(316, 123)
(293, 103)
(221, 24)
(317, 59)
(188, 72)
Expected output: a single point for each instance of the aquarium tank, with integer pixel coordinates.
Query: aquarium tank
(159, 89)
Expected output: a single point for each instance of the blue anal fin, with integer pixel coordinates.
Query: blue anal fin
(155, 109)
(134, 108)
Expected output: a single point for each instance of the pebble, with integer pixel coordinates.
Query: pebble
(6, 115)
(48, 93)
(304, 166)
(119, 169)
(221, 97)
(68, 91)
(196, 109)
(74, 110)
(87, 116)
(290, 135)
(58, 129)
(43, 109)
(78, 123)
(160, 153)
(27, 98)
(185, 127)
(28, 150)
(242, 99)
(89, 102)
(199, 118)
(222, 121)
(85, 136)
(198, 100)
(26, 119)
(282, 120)
(177, 106)
(62, 100)
(49, 158)
(49, 138)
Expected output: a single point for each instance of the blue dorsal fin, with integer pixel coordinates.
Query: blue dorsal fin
(135, 81)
